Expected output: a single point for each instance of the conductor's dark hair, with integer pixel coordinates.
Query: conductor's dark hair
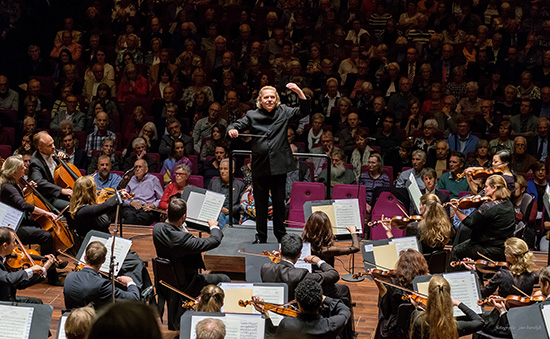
(95, 253)
(310, 295)
(176, 209)
(5, 235)
(126, 320)
(291, 246)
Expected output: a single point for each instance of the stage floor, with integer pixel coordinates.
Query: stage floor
(364, 294)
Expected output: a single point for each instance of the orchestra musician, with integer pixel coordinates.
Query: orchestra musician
(491, 223)
(41, 171)
(271, 155)
(310, 323)
(12, 281)
(501, 161)
(210, 299)
(437, 320)
(87, 286)
(410, 264)
(12, 195)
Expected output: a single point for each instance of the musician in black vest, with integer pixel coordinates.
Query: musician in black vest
(41, 171)
(271, 155)
(11, 281)
(173, 241)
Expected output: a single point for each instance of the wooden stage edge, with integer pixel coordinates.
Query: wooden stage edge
(364, 294)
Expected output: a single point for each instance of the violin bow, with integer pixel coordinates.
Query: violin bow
(401, 288)
(402, 210)
(61, 213)
(299, 223)
(382, 267)
(520, 291)
(83, 263)
(176, 290)
(486, 258)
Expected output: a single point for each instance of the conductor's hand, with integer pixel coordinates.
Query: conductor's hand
(67, 191)
(294, 88)
(125, 280)
(213, 223)
(233, 133)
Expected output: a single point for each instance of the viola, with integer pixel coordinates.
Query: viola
(279, 309)
(65, 174)
(470, 202)
(482, 173)
(483, 266)
(18, 260)
(62, 237)
(376, 273)
(513, 300)
(399, 222)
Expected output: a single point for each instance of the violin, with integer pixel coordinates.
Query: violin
(267, 254)
(187, 305)
(104, 194)
(376, 273)
(65, 174)
(482, 173)
(18, 260)
(399, 222)
(62, 237)
(279, 309)
(513, 300)
(420, 300)
(470, 202)
(483, 266)
(79, 265)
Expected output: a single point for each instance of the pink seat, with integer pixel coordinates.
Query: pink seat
(5, 151)
(11, 115)
(195, 162)
(196, 180)
(385, 205)
(160, 177)
(376, 149)
(119, 173)
(81, 137)
(155, 156)
(462, 194)
(341, 191)
(10, 131)
(529, 176)
(302, 192)
(82, 171)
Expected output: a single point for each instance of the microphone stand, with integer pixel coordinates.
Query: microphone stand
(112, 263)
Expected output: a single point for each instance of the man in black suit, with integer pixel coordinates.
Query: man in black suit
(442, 68)
(173, 241)
(12, 281)
(42, 168)
(88, 286)
(75, 155)
(540, 146)
(312, 322)
(271, 155)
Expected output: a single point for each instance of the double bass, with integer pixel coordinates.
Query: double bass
(63, 238)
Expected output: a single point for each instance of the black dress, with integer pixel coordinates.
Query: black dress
(93, 217)
(504, 280)
(464, 327)
(388, 306)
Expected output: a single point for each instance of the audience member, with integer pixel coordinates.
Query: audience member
(449, 180)
(521, 160)
(148, 192)
(418, 162)
(221, 185)
(463, 141)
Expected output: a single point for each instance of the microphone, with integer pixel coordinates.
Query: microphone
(118, 197)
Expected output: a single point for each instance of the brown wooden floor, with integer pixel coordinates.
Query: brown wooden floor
(364, 294)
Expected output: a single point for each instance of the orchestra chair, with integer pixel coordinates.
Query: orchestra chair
(302, 192)
(438, 261)
(342, 191)
(196, 180)
(386, 205)
(163, 270)
(404, 313)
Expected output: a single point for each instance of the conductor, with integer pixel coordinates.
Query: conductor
(271, 155)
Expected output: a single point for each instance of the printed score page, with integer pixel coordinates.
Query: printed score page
(403, 244)
(346, 212)
(10, 216)
(545, 309)
(237, 326)
(15, 321)
(61, 332)
(211, 206)
(122, 246)
(385, 255)
(306, 251)
(414, 191)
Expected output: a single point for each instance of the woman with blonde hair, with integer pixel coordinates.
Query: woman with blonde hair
(149, 134)
(491, 223)
(318, 232)
(210, 299)
(316, 130)
(437, 320)
(85, 213)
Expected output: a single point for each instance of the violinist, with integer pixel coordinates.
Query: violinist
(519, 272)
(88, 286)
(10, 281)
(437, 320)
(311, 322)
(491, 223)
(501, 161)
(410, 264)
(211, 299)
(42, 168)
(11, 194)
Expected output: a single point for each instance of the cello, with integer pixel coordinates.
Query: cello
(63, 238)
(65, 174)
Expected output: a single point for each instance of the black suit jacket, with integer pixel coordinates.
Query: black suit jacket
(443, 197)
(285, 272)
(533, 147)
(12, 281)
(80, 159)
(41, 175)
(88, 286)
(184, 251)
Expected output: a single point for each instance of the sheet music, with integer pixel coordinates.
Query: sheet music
(306, 251)
(328, 210)
(15, 321)
(271, 294)
(403, 244)
(545, 310)
(546, 199)
(346, 212)
(61, 331)
(237, 326)
(414, 191)
(234, 293)
(211, 206)
(464, 289)
(122, 246)
(10, 216)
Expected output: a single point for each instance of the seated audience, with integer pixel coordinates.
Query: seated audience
(221, 185)
(176, 187)
(339, 174)
(418, 162)
(147, 190)
(449, 180)
(373, 177)
(139, 145)
(104, 178)
(107, 149)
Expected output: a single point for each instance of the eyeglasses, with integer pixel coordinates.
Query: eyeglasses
(179, 174)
